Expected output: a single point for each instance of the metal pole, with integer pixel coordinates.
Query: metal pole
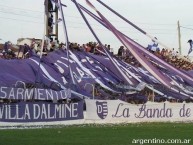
(56, 26)
(179, 38)
(46, 17)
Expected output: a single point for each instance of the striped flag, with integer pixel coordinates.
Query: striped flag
(91, 5)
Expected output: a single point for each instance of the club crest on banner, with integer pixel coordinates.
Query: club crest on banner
(102, 109)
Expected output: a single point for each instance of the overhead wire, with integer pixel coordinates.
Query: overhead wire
(77, 16)
(19, 13)
(186, 28)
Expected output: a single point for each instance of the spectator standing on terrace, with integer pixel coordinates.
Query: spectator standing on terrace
(190, 42)
(173, 53)
(76, 46)
(56, 44)
(32, 46)
(93, 45)
(82, 48)
(127, 52)
(33, 42)
(88, 47)
(28, 51)
(163, 51)
(110, 49)
(7, 52)
(1, 55)
(120, 51)
(53, 45)
(153, 46)
(99, 50)
(124, 54)
(6, 47)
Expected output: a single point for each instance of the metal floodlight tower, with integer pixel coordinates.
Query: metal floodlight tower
(51, 12)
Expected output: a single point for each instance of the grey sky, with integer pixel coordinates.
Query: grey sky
(24, 18)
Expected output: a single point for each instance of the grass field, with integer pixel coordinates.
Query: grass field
(98, 134)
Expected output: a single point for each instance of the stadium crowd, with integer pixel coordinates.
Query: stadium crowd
(170, 56)
(25, 51)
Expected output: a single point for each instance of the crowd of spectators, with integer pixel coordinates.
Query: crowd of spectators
(171, 56)
(91, 47)
(7, 51)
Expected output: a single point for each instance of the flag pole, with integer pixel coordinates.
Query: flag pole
(132, 24)
(179, 38)
(125, 77)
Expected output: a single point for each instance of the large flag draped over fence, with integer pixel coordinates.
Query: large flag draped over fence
(88, 70)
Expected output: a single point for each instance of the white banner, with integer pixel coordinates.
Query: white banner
(115, 111)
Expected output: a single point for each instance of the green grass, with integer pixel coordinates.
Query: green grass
(97, 134)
